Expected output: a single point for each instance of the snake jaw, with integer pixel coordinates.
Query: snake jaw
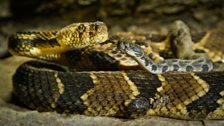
(101, 32)
(101, 38)
(130, 49)
(121, 46)
(125, 47)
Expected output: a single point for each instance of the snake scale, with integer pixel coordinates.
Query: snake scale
(201, 64)
(101, 80)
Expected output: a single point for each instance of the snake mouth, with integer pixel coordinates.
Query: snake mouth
(102, 32)
(130, 49)
(102, 37)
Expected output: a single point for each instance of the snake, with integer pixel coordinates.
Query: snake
(73, 36)
(104, 80)
(201, 64)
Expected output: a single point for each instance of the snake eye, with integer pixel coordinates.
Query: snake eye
(81, 28)
(96, 27)
(122, 45)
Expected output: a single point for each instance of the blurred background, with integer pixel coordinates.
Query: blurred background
(143, 16)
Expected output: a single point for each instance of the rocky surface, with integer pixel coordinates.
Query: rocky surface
(7, 69)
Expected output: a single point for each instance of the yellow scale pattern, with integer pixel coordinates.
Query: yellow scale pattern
(175, 93)
(56, 95)
(120, 92)
(73, 36)
(219, 111)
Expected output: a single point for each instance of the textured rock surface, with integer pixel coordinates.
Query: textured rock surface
(7, 69)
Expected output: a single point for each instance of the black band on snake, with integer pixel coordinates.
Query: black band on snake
(131, 94)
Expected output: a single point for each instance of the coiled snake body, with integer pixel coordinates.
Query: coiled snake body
(47, 86)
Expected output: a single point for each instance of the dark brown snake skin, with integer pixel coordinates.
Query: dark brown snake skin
(130, 94)
(46, 86)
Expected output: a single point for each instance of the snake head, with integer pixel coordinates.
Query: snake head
(80, 35)
(130, 49)
(98, 32)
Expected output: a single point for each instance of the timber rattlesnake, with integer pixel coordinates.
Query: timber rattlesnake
(48, 86)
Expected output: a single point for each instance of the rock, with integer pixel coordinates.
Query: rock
(7, 69)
